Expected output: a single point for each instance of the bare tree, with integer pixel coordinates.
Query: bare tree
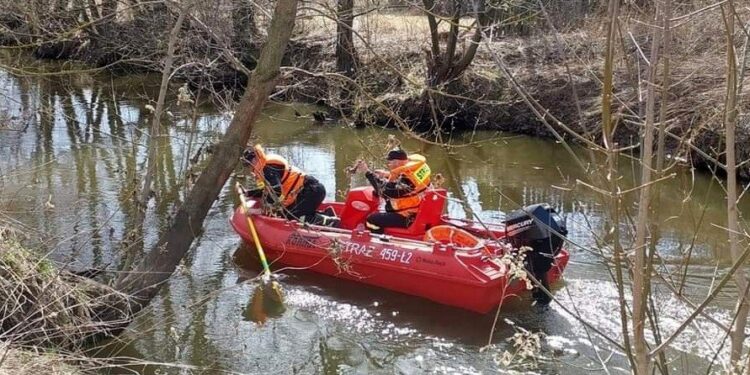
(443, 66)
(346, 57)
(730, 124)
(641, 266)
(244, 29)
(158, 265)
(159, 110)
(109, 8)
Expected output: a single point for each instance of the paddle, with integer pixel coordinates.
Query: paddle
(275, 289)
(263, 304)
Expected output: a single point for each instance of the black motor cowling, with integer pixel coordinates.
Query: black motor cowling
(539, 227)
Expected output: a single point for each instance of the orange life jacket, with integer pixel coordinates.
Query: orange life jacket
(418, 172)
(292, 180)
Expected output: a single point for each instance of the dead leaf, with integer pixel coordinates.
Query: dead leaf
(49, 204)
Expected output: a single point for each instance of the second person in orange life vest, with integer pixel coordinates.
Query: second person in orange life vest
(299, 194)
(402, 187)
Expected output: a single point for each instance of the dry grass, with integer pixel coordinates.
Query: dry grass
(386, 34)
(43, 306)
(26, 362)
(48, 317)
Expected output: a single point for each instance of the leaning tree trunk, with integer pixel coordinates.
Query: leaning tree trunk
(346, 58)
(156, 268)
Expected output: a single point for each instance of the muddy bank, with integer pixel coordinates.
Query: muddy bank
(563, 76)
(561, 73)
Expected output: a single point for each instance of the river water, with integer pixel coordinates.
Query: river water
(73, 147)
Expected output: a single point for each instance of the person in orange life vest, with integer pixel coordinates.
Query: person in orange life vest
(298, 193)
(402, 187)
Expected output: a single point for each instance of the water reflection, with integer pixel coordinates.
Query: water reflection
(84, 151)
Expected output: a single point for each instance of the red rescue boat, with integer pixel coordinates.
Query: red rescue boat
(469, 277)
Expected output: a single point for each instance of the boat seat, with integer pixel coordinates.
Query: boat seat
(429, 215)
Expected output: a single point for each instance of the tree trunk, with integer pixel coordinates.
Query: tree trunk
(442, 68)
(244, 29)
(730, 122)
(445, 64)
(664, 87)
(94, 9)
(429, 8)
(666, 14)
(641, 268)
(156, 268)
(166, 71)
(109, 8)
(60, 6)
(346, 58)
(35, 11)
(608, 130)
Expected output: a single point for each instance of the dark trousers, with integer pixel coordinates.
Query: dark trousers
(378, 221)
(307, 202)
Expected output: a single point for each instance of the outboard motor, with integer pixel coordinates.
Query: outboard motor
(539, 227)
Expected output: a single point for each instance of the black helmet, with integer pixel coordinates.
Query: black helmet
(248, 155)
(396, 154)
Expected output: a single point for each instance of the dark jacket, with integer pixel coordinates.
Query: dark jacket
(272, 175)
(402, 187)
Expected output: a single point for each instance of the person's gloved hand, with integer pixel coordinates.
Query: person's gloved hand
(361, 166)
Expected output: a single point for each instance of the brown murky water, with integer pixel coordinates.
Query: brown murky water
(72, 149)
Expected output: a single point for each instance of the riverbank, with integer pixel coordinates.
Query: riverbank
(561, 72)
(50, 315)
(27, 362)
(21, 358)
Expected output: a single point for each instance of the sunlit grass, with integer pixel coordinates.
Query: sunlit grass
(383, 30)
